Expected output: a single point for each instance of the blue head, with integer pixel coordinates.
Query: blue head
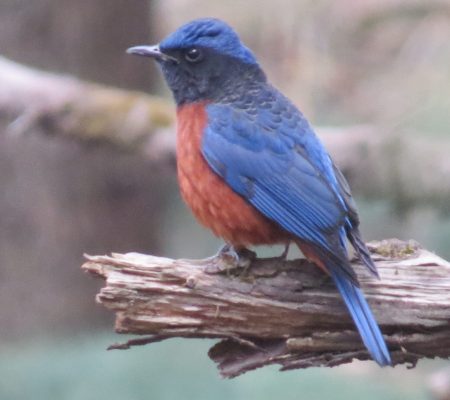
(208, 33)
(204, 60)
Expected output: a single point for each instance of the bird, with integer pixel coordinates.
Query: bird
(251, 167)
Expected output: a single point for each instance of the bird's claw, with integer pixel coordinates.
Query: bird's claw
(228, 259)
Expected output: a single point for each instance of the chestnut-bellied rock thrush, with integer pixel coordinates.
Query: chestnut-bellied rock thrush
(250, 165)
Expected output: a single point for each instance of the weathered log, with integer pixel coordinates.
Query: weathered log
(274, 311)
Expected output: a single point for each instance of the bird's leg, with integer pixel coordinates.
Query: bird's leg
(284, 254)
(228, 258)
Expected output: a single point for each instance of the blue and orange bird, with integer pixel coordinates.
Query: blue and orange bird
(251, 167)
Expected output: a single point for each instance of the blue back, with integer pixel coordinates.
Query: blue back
(273, 158)
(266, 151)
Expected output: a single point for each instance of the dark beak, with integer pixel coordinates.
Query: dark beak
(151, 51)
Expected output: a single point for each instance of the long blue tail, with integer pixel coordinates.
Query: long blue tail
(362, 316)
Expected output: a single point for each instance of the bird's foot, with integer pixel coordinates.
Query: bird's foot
(229, 258)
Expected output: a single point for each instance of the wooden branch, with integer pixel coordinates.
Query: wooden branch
(271, 311)
(35, 101)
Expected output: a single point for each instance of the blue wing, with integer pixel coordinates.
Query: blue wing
(267, 152)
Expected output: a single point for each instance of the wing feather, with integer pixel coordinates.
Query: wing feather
(286, 168)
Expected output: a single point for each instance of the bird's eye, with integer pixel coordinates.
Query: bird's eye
(193, 55)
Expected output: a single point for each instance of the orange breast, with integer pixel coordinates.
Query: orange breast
(211, 200)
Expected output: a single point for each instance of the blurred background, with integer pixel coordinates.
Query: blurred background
(382, 63)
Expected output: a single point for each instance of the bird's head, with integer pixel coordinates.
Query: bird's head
(203, 60)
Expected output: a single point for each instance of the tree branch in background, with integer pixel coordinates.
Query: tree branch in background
(35, 101)
(406, 169)
(279, 312)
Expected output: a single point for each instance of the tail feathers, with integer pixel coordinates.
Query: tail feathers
(363, 318)
(361, 249)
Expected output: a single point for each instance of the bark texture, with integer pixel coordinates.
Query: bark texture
(268, 311)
